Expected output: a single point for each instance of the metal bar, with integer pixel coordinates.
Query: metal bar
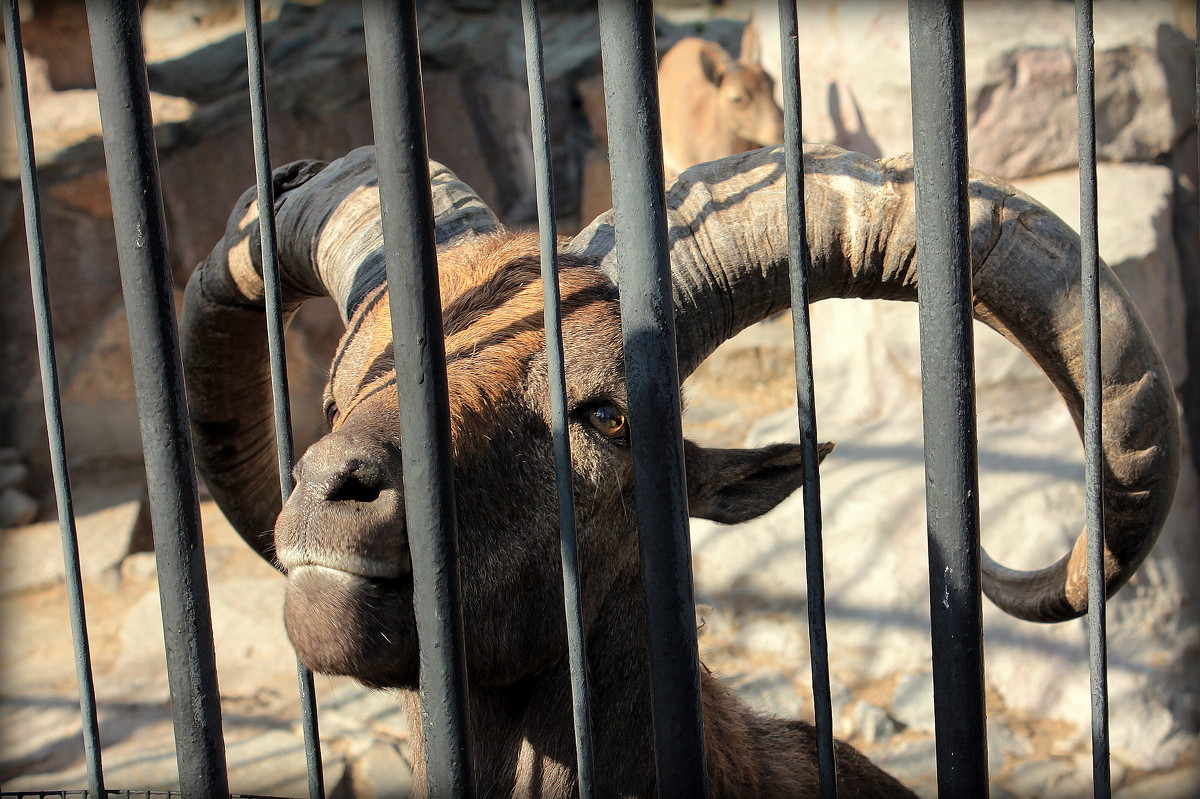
(800, 263)
(256, 79)
(394, 70)
(652, 373)
(948, 395)
(569, 550)
(19, 88)
(1085, 80)
(129, 151)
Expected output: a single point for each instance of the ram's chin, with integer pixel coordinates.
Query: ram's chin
(345, 624)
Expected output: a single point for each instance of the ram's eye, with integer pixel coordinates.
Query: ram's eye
(330, 411)
(607, 419)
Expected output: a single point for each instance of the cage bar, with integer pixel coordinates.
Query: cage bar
(1089, 257)
(256, 79)
(48, 362)
(652, 374)
(800, 262)
(129, 150)
(394, 70)
(948, 396)
(548, 235)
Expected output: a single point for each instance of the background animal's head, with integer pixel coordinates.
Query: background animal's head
(745, 95)
(342, 536)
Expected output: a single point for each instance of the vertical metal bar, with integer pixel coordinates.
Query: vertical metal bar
(652, 373)
(397, 109)
(948, 395)
(132, 162)
(19, 87)
(573, 600)
(279, 386)
(800, 262)
(1085, 80)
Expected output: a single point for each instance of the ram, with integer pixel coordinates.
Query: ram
(342, 538)
(714, 105)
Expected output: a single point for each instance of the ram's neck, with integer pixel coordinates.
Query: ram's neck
(523, 740)
(523, 735)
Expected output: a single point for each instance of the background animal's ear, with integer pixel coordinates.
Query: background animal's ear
(734, 485)
(751, 48)
(714, 62)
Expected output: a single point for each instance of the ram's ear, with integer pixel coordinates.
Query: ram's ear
(733, 485)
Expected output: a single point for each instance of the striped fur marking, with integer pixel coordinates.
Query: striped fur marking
(493, 320)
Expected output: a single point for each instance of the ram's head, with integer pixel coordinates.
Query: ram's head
(342, 537)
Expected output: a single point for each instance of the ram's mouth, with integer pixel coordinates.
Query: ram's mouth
(375, 569)
(350, 624)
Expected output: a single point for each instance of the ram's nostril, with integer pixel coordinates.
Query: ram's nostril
(353, 490)
(356, 481)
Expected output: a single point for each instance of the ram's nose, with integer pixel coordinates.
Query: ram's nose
(347, 477)
(346, 512)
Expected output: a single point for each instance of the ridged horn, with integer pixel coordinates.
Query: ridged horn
(728, 249)
(330, 243)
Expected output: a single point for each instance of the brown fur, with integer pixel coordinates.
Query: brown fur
(493, 320)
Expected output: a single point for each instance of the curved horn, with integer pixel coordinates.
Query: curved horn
(330, 244)
(728, 244)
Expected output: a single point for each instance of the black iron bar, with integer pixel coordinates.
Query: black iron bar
(1085, 81)
(256, 78)
(394, 70)
(652, 374)
(129, 150)
(800, 262)
(43, 324)
(548, 230)
(948, 395)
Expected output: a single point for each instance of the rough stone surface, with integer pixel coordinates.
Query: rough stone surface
(1021, 105)
(871, 723)
(1182, 784)
(912, 702)
(773, 692)
(381, 773)
(16, 507)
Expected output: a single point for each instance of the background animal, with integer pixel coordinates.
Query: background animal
(342, 537)
(714, 105)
